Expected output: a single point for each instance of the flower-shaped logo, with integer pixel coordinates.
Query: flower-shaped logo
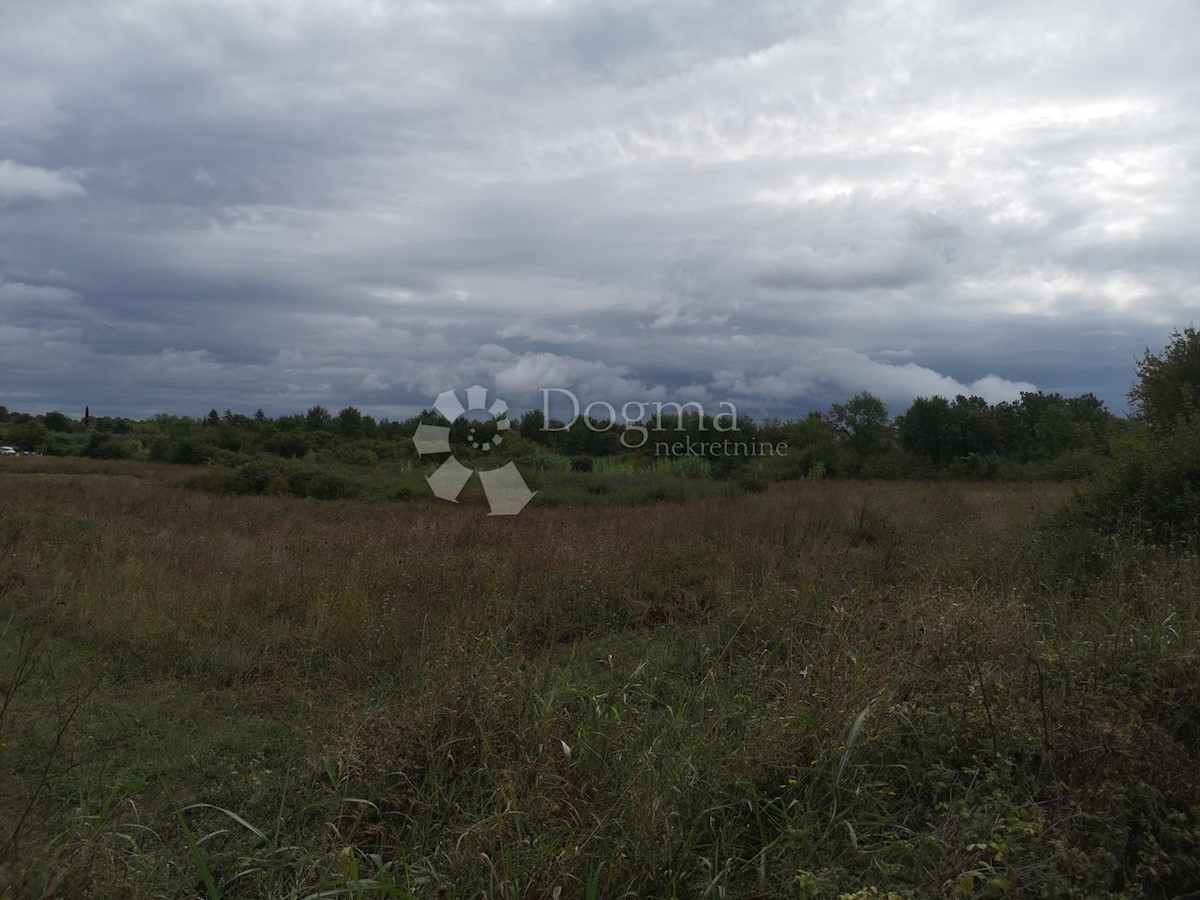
(507, 493)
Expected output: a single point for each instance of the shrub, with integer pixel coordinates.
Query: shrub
(361, 456)
(296, 480)
(30, 435)
(329, 486)
(277, 477)
(187, 450)
(229, 459)
(582, 464)
(253, 478)
(896, 464)
(288, 444)
(801, 462)
(727, 466)
(974, 465)
(751, 483)
(1149, 490)
(100, 447)
(1074, 465)
(214, 481)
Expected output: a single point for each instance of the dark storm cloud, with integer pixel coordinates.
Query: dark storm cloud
(281, 203)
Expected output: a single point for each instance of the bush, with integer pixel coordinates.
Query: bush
(582, 464)
(751, 483)
(896, 464)
(278, 478)
(288, 444)
(361, 456)
(253, 478)
(974, 465)
(1074, 465)
(328, 486)
(229, 459)
(30, 435)
(188, 451)
(214, 481)
(727, 466)
(1149, 490)
(100, 447)
(802, 462)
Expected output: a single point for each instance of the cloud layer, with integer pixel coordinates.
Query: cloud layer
(281, 203)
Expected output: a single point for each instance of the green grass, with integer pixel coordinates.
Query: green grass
(828, 689)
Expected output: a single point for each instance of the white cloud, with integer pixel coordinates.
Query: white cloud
(844, 372)
(202, 177)
(527, 375)
(18, 181)
(534, 331)
(17, 292)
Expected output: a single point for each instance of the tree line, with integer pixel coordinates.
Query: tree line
(1038, 433)
(856, 437)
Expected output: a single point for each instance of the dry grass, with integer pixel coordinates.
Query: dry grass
(825, 688)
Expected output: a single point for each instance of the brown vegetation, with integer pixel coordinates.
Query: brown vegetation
(826, 688)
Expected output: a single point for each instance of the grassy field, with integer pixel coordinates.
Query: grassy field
(827, 689)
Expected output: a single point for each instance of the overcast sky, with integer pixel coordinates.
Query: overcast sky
(779, 203)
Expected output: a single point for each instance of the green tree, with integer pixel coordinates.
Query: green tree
(863, 422)
(317, 419)
(530, 425)
(813, 447)
(1150, 487)
(928, 429)
(288, 444)
(975, 429)
(29, 435)
(56, 421)
(350, 423)
(1167, 391)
